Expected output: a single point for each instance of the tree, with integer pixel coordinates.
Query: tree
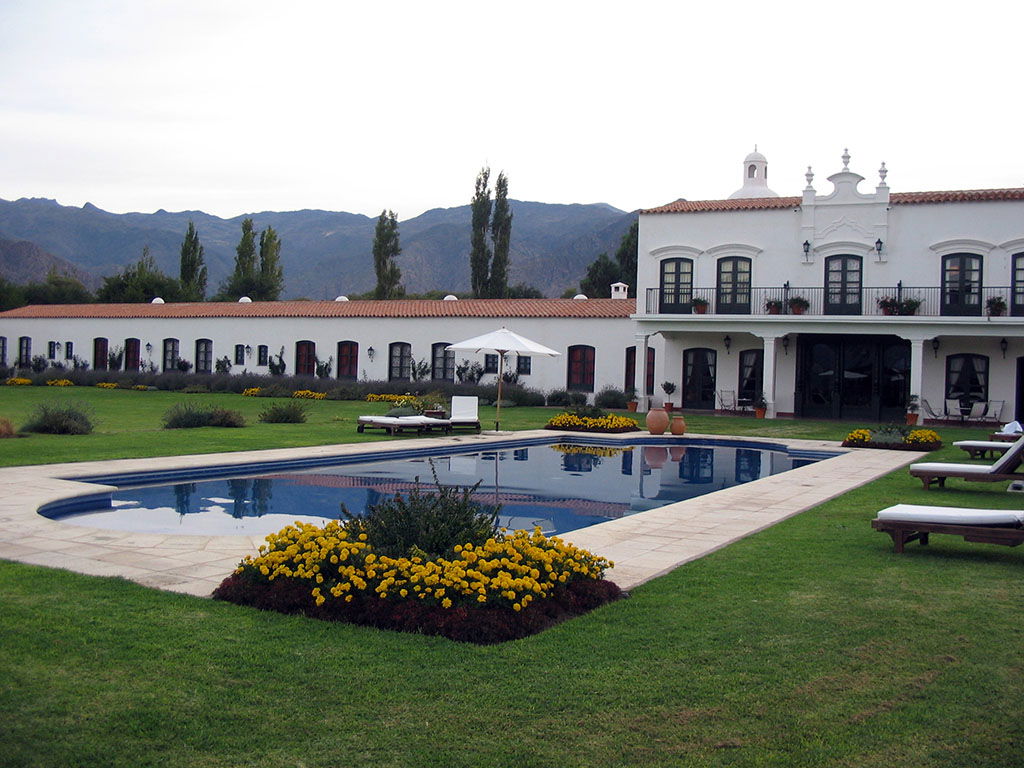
(270, 281)
(386, 247)
(626, 257)
(56, 289)
(11, 295)
(139, 282)
(243, 280)
(602, 272)
(501, 233)
(480, 251)
(192, 272)
(523, 291)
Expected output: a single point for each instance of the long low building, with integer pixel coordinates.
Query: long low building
(365, 340)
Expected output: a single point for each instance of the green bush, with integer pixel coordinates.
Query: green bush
(403, 410)
(559, 397)
(610, 397)
(588, 412)
(425, 524)
(190, 416)
(59, 419)
(577, 398)
(225, 417)
(290, 412)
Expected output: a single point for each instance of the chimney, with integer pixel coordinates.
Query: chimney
(620, 291)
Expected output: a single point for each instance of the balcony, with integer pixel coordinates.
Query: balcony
(968, 301)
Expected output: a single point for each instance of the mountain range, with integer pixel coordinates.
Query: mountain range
(324, 253)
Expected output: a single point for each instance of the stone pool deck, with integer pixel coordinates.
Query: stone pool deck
(643, 545)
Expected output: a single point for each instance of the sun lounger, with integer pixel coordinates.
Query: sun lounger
(395, 424)
(977, 449)
(1004, 469)
(911, 522)
(465, 413)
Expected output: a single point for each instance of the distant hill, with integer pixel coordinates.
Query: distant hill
(24, 262)
(325, 253)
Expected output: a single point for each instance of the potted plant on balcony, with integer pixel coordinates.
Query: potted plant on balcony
(888, 305)
(995, 306)
(668, 387)
(773, 306)
(909, 306)
(760, 406)
(700, 306)
(798, 305)
(912, 408)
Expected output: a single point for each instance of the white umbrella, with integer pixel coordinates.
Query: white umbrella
(502, 341)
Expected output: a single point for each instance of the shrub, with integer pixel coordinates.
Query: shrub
(559, 398)
(222, 364)
(577, 398)
(196, 389)
(225, 417)
(610, 397)
(39, 364)
(59, 419)
(183, 366)
(284, 413)
(190, 416)
(588, 412)
(923, 437)
(524, 396)
(6, 428)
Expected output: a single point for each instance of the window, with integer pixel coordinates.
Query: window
(3, 351)
(842, 285)
(399, 361)
(1017, 291)
(490, 363)
(442, 362)
(171, 347)
(239, 354)
(961, 284)
(69, 350)
(752, 171)
(100, 358)
(24, 351)
(676, 286)
(967, 378)
(51, 350)
(262, 355)
(699, 373)
(580, 376)
(132, 354)
(524, 365)
(751, 376)
(305, 358)
(204, 356)
(348, 359)
(630, 381)
(733, 286)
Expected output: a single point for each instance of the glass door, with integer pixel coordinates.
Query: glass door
(961, 284)
(699, 378)
(842, 285)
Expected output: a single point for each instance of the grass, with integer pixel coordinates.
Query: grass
(809, 644)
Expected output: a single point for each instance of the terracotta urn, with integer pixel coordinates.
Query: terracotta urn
(657, 421)
(655, 456)
(676, 453)
(678, 424)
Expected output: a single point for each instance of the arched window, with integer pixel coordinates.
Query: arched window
(204, 356)
(132, 354)
(967, 378)
(580, 377)
(961, 284)
(305, 358)
(630, 381)
(676, 286)
(262, 355)
(751, 376)
(348, 360)
(1017, 291)
(442, 362)
(100, 357)
(752, 171)
(171, 354)
(399, 361)
(733, 286)
(699, 372)
(843, 284)
(24, 351)
(3, 351)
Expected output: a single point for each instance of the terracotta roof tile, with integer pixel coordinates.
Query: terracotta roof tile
(896, 198)
(497, 308)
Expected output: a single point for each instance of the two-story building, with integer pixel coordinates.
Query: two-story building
(837, 305)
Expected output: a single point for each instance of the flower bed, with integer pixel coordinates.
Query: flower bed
(59, 383)
(306, 394)
(609, 423)
(17, 381)
(511, 586)
(252, 392)
(107, 385)
(894, 438)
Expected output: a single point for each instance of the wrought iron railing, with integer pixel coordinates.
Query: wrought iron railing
(794, 300)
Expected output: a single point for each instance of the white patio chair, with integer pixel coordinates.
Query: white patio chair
(727, 400)
(465, 412)
(953, 409)
(930, 412)
(994, 411)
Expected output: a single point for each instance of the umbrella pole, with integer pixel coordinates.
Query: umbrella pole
(497, 413)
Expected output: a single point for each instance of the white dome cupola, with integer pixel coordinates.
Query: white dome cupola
(755, 177)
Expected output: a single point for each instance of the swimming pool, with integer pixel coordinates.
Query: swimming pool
(558, 484)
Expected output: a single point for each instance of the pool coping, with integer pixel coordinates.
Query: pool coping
(643, 545)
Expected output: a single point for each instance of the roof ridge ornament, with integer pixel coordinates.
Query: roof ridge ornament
(846, 159)
(882, 173)
(810, 177)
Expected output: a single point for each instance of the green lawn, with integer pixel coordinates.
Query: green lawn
(809, 644)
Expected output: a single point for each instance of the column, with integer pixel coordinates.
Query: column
(917, 369)
(640, 371)
(769, 374)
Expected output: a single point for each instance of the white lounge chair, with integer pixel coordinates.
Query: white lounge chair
(977, 449)
(1004, 469)
(465, 413)
(912, 522)
(394, 424)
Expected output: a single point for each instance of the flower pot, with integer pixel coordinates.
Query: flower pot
(700, 310)
(911, 419)
(657, 421)
(678, 426)
(797, 310)
(631, 406)
(886, 311)
(760, 412)
(774, 310)
(669, 406)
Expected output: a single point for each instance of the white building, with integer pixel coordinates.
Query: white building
(371, 340)
(712, 274)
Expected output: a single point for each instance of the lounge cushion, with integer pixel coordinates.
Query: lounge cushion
(916, 513)
(949, 468)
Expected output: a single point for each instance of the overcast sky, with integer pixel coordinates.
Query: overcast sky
(234, 107)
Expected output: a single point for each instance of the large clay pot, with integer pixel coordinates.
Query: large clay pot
(657, 421)
(678, 424)
(655, 456)
(676, 453)
(911, 419)
(631, 406)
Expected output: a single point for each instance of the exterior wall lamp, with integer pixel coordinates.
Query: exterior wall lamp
(785, 344)
(248, 350)
(728, 343)
(370, 352)
(935, 346)
(807, 250)
(149, 348)
(1003, 345)
(878, 249)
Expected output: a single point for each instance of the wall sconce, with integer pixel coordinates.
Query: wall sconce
(1003, 345)
(807, 250)
(878, 249)
(935, 346)
(248, 350)
(728, 343)
(56, 345)
(785, 344)
(370, 352)
(149, 348)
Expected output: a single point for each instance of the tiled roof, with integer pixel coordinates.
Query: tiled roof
(497, 308)
(895, 198)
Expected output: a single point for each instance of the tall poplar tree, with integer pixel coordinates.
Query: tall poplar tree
(480, 250)
(243, 281)
(501, 233)
(192, 272)
(386, 247)
(270, 281)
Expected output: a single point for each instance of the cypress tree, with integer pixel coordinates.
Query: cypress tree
(270, 281)
(501, 233)
(192, 272)
(480, 251)
(386, 247)
(244, 280)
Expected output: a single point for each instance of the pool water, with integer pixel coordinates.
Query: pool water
(557, 486)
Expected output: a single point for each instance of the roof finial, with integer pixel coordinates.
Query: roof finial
(809, 176)
(883, 172)
(846, 159)
(755, 147)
